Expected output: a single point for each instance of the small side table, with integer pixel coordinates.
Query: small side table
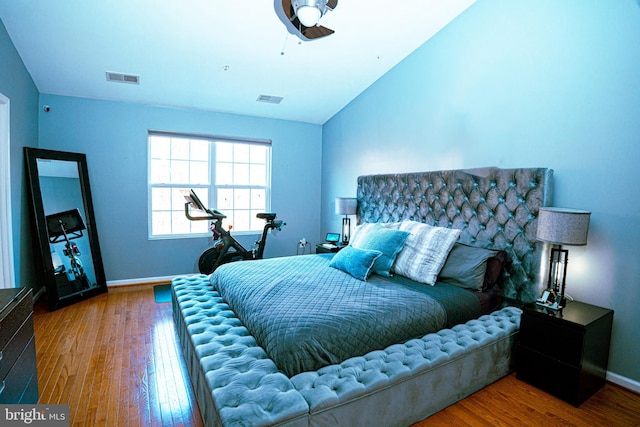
(320, 249)
(565, 352)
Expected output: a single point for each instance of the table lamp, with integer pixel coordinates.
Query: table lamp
(560, 226)
(346, 206)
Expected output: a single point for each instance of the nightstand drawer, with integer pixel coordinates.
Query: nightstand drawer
(550, 337)
(565, 382)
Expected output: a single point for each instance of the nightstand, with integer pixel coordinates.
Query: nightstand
(565, 353)
(320, 249)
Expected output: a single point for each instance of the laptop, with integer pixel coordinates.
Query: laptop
(332, 240)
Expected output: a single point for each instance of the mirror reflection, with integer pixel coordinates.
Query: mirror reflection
(65, 217)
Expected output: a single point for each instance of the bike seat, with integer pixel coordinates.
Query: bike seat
(269, 216)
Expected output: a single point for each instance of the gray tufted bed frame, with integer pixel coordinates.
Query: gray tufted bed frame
(236, 383)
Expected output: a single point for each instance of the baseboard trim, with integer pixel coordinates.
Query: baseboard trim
(624, 382)
(143, 281)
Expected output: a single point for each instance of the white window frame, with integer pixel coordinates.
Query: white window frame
(212, 186)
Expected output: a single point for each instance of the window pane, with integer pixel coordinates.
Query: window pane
(258, 175)
(177, 200)
(180, 224)
(161, 199)
(199, 173)
(241, 220)
(241, 153)
(180, 148)
(242, 199)
(241, 174)
(256, 223)
(224, 152)
(200, 227)
(258, 199)
(225, 199)
(179, 172)
(200, 150)
(224, 174)
(160, 171)
(259, 154)
(160, 147)
(161, 223)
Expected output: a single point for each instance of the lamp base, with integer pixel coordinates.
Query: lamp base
(557, 280)
(346, 230)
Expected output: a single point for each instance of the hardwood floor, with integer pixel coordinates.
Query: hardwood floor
(116, 361)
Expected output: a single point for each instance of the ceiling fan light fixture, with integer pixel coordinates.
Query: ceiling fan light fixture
(309, 16)
(309, 12)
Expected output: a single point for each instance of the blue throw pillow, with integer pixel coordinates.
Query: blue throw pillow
(356, 262)
(386, 240)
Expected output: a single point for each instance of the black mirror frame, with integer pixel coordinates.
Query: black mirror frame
(43, 261)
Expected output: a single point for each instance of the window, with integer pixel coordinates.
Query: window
(230, 175)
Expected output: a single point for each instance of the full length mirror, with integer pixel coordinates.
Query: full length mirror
(66, 239)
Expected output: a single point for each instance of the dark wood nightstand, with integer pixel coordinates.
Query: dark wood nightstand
(565, 353)
(320, 249)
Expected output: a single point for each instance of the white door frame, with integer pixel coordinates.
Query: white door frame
(7, 276)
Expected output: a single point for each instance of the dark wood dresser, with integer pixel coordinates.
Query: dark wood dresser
(18, 372)
(565, 352)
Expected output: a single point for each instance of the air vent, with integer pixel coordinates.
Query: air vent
(270, 99)
(123, 78)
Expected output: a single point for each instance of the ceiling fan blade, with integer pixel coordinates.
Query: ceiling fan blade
(331, 4)
(316, 32)
(288, 9)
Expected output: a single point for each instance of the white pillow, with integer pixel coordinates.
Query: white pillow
(425, 251)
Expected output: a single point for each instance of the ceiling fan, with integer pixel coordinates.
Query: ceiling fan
(301, 17)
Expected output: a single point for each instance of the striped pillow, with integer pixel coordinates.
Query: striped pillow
(425, 251)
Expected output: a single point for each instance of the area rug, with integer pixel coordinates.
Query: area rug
(162, 293)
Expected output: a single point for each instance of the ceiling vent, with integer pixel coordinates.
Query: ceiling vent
(123, 78)
(270, 99)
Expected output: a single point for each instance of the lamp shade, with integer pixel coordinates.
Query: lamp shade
(346, 206)
(563, 226)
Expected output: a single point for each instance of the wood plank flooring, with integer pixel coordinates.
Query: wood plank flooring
(116, 361)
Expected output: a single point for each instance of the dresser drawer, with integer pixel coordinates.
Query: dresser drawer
(17, 386)
(12, 350)
(14, 315)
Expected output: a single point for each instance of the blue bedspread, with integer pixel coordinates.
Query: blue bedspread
(306, 314)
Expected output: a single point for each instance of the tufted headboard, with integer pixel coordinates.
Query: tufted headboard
(495, 208)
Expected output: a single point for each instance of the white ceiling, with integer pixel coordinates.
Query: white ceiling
(218, 55)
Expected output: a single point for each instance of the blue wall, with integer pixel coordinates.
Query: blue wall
(113, 135)
(17, 85)
(518, 84)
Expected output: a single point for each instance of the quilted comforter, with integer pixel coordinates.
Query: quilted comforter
(306, 315)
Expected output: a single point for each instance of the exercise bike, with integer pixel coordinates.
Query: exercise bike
(225, 248)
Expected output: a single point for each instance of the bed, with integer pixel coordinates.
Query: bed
(292, 341)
